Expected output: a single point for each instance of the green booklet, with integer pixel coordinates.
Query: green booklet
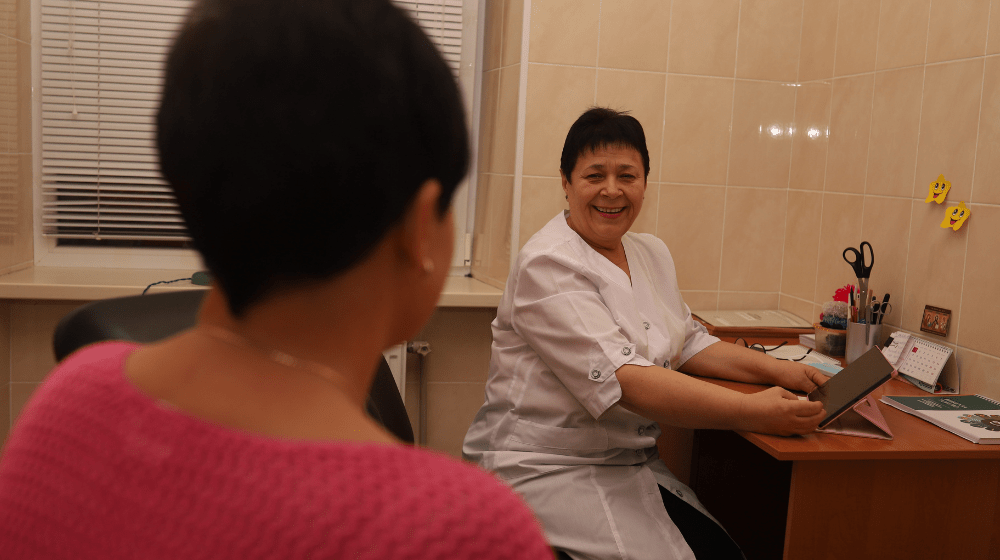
(973, 417)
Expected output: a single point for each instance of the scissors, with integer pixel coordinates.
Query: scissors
(862, 266)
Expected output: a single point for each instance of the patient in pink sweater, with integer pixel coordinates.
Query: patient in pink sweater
(313, 147)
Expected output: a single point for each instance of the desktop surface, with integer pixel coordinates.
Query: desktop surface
(927, 493)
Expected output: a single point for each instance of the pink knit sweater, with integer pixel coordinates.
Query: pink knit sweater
(97, 469)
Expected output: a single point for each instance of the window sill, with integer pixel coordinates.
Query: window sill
(85, 284)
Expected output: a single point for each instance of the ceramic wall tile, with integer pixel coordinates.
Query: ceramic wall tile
(763, 114)
(500, 206)
(635, 35)
(981, 286)
(698, 300)
(23, 20)
(557, 96)
(641, 94)
(857, 37)
(886, 226)
(811, 136)
(696, 130)
(703, 37)
(489, 102)
(986, 185)
(451, 407)
(799, 307)
(542, 198)
(802, 232)
(769, 39)
(948, 126)
(504, 148)
(753, 239)
(979, 373)
(460, 340)
(481, 232)
(690, 222)
(513, 24)
(647, 219)
(564, 32)
(840, 228)
(748, 300)
(850, 127)
(902, 36)
(958, 29)
(892, 153)
(819, 39)
(493, 35)
(993, 40)
(934, 268)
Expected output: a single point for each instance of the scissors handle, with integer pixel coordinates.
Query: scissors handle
(861, 263)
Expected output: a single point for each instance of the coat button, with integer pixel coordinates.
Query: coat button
(645, 325)
(642, 430)
(626, 351)
(679, 493)
(595, 374)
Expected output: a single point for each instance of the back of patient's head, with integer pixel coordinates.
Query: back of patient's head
(295, 133)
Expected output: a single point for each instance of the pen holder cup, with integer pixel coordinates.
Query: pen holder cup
(831, 342)
(860, 338)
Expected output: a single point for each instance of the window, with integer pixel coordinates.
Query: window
(99, 71)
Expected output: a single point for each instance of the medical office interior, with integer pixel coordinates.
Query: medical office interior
(780, 132)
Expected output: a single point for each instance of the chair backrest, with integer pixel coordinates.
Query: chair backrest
(153, 317)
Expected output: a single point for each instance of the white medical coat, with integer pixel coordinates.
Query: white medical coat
(551, 426)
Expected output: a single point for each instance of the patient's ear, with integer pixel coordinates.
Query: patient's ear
(425, 235)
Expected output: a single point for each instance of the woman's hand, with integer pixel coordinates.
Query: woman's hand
(779, 412)
(795, 376)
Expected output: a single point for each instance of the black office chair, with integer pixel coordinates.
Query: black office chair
(153, 317)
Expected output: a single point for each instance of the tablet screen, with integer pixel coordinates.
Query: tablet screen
(852, 384)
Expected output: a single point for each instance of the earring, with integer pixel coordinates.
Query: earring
(428, 265)
(567, 197)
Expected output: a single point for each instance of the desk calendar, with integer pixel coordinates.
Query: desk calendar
(920, 362)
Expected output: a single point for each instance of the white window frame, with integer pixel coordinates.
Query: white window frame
(47, 253)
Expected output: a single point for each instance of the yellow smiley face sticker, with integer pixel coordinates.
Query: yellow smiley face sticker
(956, 216)
(938, 190)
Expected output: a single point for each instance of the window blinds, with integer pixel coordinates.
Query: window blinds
(101, 75)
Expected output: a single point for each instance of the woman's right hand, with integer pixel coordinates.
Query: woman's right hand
(778, 411)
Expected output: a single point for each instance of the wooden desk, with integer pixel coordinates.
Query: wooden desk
(925, 494)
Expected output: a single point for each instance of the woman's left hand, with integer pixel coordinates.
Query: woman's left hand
(796, 376)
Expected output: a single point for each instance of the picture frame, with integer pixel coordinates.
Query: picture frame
(936, 320)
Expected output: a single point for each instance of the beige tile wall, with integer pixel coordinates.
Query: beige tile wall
(918, 100)
(781, 132)
(497, 140)
(15, 173)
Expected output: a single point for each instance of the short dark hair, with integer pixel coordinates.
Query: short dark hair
(295, 133)
(600, 127)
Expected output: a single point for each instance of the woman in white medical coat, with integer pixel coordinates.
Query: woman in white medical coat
(589, 345)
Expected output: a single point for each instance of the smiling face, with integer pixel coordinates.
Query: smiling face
(955, 216)
(605, 193)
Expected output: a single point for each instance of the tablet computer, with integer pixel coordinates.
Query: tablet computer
(852, 384)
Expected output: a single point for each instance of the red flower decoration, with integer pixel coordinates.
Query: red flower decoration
(843, 294)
